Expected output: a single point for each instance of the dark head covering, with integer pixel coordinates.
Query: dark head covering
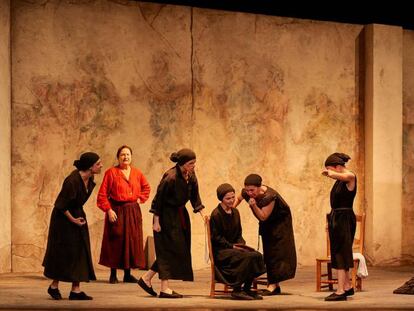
(183, 156)
(86, 161)
(253, 180)
(223, 189)
(337, 159)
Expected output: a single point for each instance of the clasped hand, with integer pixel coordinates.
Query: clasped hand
(80, 221)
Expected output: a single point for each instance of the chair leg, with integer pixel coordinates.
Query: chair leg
(254, 284)
(354, 273)
(212, 289)
(329, 268)
(358, 284)
(318, 276)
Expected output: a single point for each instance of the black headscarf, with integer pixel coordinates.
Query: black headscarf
(223, 189)
(86, 161)
(337, 159)
(253, 180)
(183, 156)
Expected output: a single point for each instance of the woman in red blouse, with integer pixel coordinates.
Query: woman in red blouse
(122, 190)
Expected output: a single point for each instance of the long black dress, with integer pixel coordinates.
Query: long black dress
(173, 242)
(277, 235)
(68, 253)
(342, 225)
(232, 266)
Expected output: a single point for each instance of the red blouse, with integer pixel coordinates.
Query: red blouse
(115, 186)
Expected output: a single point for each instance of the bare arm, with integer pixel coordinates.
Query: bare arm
(80, 221)
(237, 201)
(346, 176)
(156, 223)
(261, 213)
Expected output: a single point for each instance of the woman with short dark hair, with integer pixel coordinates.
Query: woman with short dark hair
(171, 224)
(68, 253)
(275, 228)
(341, 222)
(235, 263)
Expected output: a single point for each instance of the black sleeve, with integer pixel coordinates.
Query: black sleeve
(160, 196)
(239, 235)
(217, 238)
(195, 196)
(66, 196)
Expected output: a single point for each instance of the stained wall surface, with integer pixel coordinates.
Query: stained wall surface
(408, 147)
(249, 93)
(5, 138)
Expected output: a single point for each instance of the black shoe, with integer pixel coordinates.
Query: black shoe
(276, 291)
(113, 279)
(54, 293)
(130, 279)
(335, 297)
(173, 295)
(253, 294)
(147, 288)
(79, 296)
(349, 292)
(241, 295)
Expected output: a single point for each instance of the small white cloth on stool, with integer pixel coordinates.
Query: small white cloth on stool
(362, 266)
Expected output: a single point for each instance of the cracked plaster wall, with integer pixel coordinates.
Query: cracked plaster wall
(249, 93)
(408, 148)
(5, 138)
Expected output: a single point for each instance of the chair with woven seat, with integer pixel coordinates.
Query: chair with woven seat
(213, 291)
(326, 280)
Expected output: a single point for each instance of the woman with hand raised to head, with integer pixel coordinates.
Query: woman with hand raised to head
(275, 228)
(341, 222)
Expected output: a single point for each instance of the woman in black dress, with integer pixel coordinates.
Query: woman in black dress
(171, 224)
(235, 263)
(68, 253)
(341, 222)
(275, 227)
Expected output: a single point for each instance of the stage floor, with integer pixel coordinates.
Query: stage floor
(27, 291)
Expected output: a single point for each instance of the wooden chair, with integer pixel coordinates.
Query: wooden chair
(326, 279)
(213, 290)
(261, 280)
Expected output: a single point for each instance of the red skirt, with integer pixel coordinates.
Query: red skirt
(122, 242)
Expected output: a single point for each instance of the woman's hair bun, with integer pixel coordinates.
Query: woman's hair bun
(174, 157)
(344, 157)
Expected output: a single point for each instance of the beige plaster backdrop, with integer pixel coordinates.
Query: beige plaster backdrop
(5, 140)
(408, 148)
(248, 93)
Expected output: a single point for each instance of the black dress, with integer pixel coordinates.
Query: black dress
(68, 253)
(342, 225)
(173, 242)
(277, 235)
(232, 266)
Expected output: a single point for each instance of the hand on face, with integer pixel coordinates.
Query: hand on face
(252, 202)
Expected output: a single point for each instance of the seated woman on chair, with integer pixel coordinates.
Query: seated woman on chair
(235, 263)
